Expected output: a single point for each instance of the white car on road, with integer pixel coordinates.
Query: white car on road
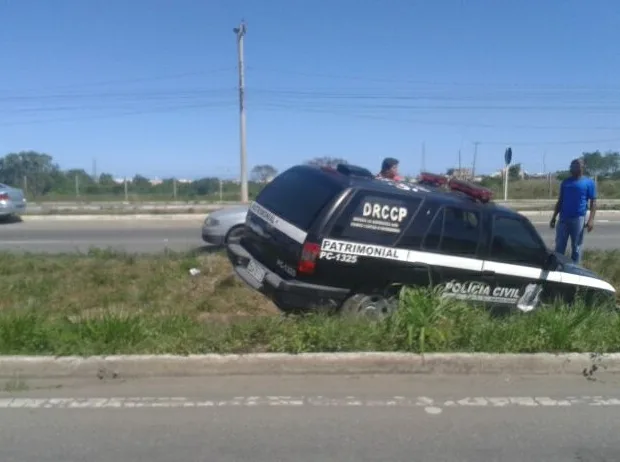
(225, 225)
(12, 201)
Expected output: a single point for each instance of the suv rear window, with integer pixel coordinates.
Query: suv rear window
(299, 195)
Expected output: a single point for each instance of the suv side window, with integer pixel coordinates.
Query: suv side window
(375, 218)
(414, 235)
(461, 232)
(454, 231)
(515, 242)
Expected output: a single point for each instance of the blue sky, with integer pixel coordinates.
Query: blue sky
(149, 86)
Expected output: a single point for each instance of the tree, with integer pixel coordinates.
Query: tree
(141, 184)
(36, 170)
(594, 163)
(597, 164)
(326, 161)
(106, 179)
(514, 172)
(263, 173)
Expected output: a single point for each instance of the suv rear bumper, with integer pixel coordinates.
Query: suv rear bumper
(288, 295)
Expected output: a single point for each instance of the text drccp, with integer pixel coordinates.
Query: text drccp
(384, 212)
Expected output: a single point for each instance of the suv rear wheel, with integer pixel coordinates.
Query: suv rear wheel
(371, 306)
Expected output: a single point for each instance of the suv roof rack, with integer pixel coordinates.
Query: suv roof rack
(349, 170)
(469, 189)
(354, 170)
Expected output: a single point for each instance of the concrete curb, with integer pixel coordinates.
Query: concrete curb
(547, 213)
(321, 363)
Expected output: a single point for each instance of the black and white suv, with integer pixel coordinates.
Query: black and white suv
(339, 238)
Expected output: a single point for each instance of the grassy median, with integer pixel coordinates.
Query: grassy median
(107, 303)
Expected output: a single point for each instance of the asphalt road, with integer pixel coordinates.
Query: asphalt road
(314, 418)
(155, 235)
(128, 235)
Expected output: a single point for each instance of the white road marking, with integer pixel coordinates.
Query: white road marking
(433, 410)
(430, 405)
(119, 241)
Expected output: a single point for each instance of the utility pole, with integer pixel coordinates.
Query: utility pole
(460, 164)
(423, 158)
(77, 186)
(95, 178)
(240, 33)
(548, 175)
(473, 167)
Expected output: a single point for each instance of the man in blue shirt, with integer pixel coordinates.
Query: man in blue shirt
(572, 206)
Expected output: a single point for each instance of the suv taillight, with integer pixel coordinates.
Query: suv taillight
(4, 197)
(309, 254)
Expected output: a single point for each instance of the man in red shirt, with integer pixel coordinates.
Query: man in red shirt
(389, 170)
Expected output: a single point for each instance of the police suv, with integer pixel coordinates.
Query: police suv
(340, 238)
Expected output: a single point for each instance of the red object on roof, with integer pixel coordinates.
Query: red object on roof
(474, 191)
(432, 180)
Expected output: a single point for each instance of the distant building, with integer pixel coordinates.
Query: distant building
(461, 173)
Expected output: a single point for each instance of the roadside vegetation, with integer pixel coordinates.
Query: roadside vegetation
(107, 303)
(44, 181)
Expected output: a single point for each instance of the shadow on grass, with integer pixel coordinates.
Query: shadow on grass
(208, 250)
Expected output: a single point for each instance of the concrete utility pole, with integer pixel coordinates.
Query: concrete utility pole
(473, 167)
(95, 177)
(240, 33)
(423, 163)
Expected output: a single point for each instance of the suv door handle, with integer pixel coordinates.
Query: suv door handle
(488, 274)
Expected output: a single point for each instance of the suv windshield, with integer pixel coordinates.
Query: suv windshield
(299, 195)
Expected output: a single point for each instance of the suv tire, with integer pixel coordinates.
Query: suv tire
(371, 306)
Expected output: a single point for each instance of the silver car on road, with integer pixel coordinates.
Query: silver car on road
(225, 225)
(12, 201)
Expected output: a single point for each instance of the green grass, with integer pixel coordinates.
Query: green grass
(542, 189)
(111, 303)
(103, 281)
(422, 325)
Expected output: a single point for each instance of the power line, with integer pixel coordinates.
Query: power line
(408, 123)
(188, 93)
(178, 108)
(318, 95)
(557, 85)
(549, 143)
(377, 116)
(138, 79)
